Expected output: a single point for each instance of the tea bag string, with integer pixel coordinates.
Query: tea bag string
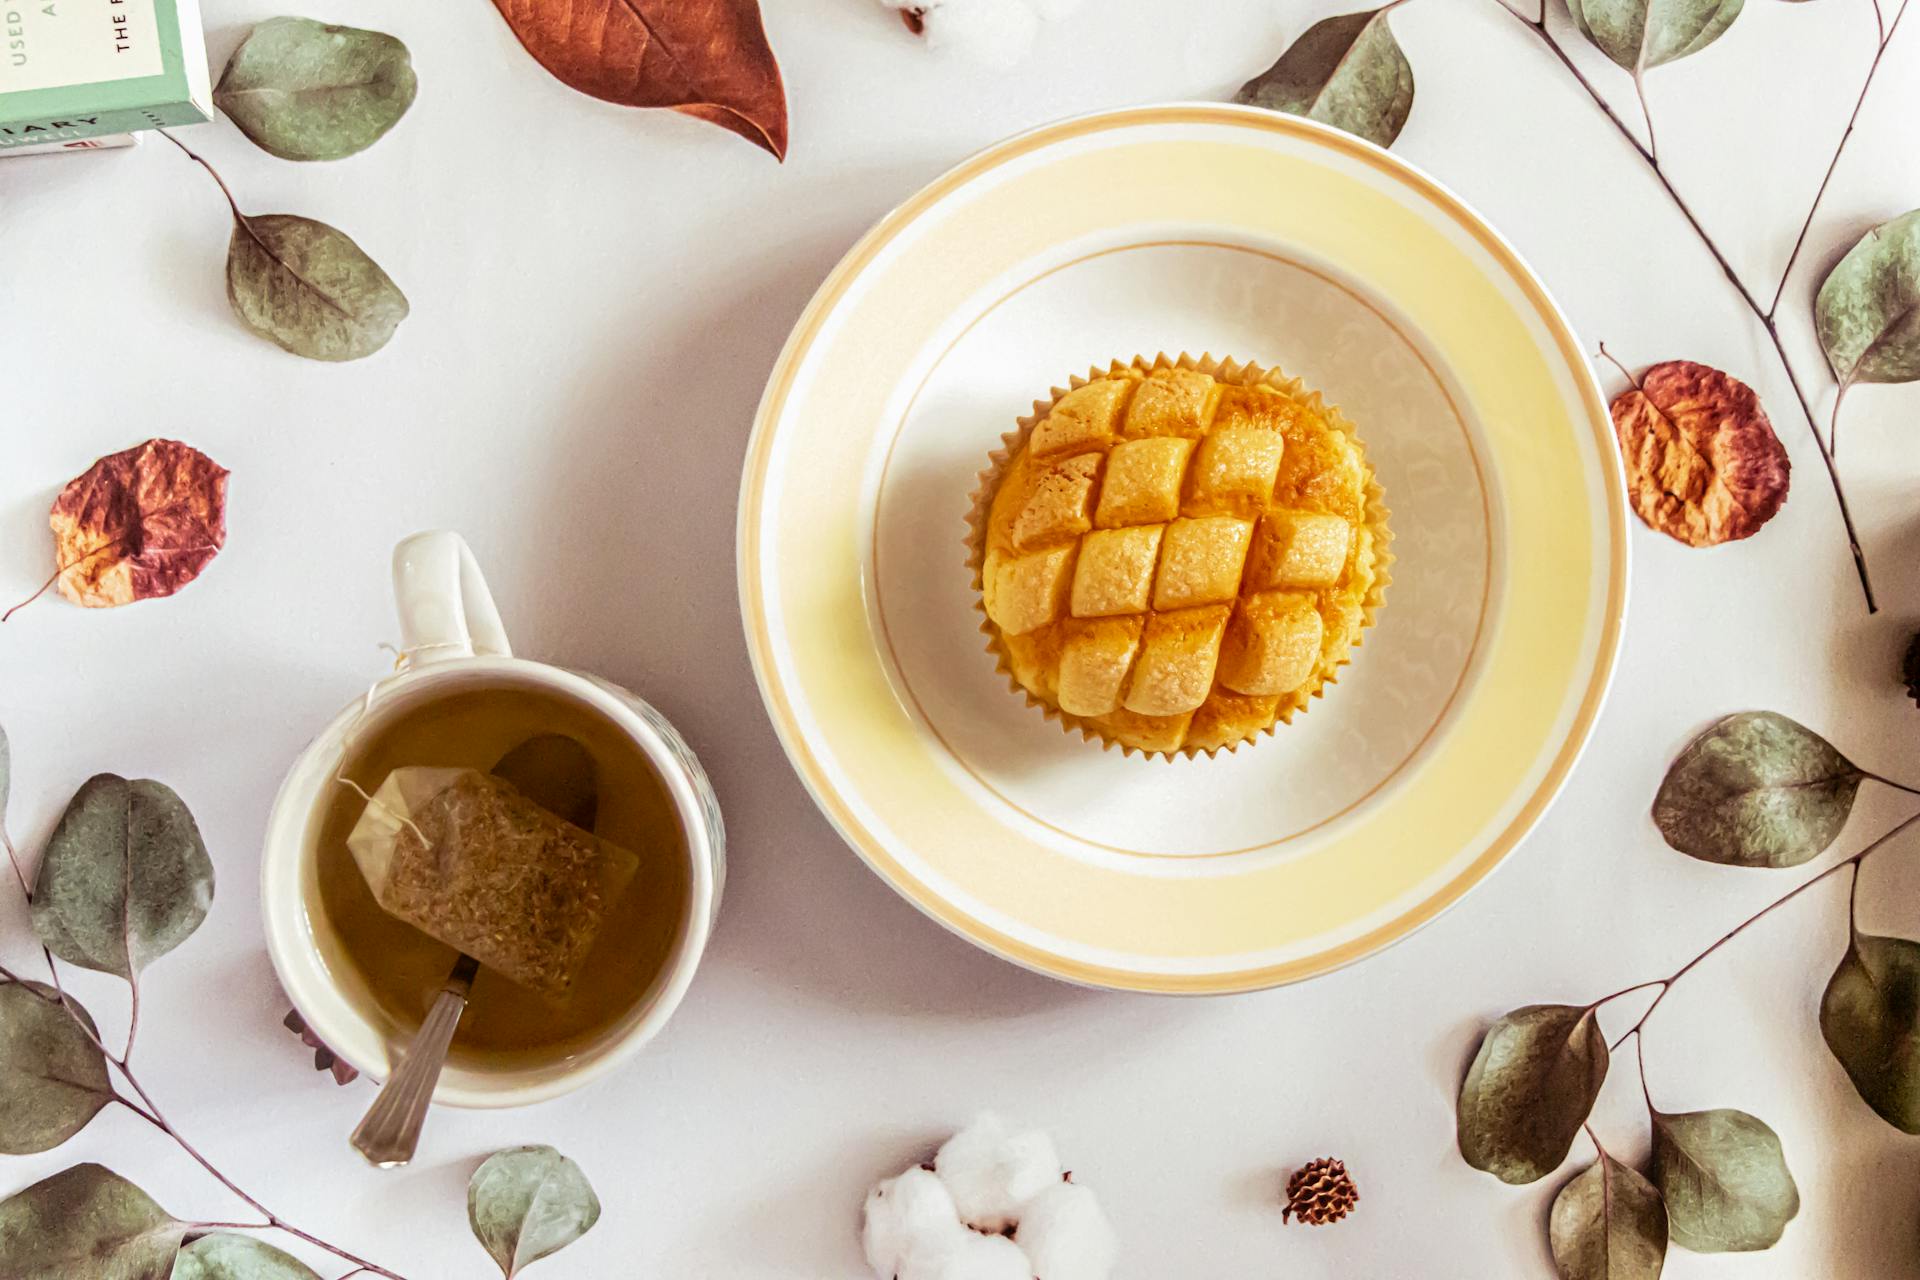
(402, 660)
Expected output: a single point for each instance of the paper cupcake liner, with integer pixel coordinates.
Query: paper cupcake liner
(1233, 373)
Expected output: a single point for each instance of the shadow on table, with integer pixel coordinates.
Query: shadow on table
(631, 538)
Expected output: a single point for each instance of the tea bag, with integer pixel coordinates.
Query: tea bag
(467, 858)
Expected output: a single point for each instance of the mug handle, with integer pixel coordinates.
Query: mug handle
(445, 609)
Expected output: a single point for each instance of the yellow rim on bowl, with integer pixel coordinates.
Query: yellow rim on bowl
(1245, 922)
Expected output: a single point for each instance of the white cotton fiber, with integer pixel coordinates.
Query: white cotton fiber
(969, 1256)
(1066, 1236)
(991, 1173)
(997, 34)
(912, 1209)
(1050, 10)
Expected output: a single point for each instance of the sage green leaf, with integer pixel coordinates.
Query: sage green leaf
(125, 879)
(53, 1078)
(86, 1223)
(1530, 1088)
(1868, 307)
(1608, 1224)
(528, 1202)
(304, 90)
(1756, 790)
(1346, 71)
(1724, 1180)
(309, 288)
(230, 1257)
(1643, 34)
(1870, 1016)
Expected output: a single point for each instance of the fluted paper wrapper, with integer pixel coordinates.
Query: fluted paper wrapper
(1233, 373)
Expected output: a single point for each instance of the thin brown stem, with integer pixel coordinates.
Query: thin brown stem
(149, 1111)
(154, 1117)
(201, 160)
(231, 1226)
(1882, 35)
(1624, 371)
(1640, 1057)
(1733, 277)
(44, 588)
(1889, 782)
(1646, 113)
(1627, 991)
(1853, 861)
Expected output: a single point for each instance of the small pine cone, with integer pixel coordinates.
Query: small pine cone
(1320, 1192)
(1910, 669)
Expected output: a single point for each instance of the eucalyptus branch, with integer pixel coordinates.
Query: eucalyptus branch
(1851, 862)
(148, 1110)
(1767, 315)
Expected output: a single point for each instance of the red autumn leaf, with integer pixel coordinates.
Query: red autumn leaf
(138, 524)
(707, 58)
(1703, 463)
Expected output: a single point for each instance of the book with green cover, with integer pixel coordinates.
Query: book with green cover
(72, 69)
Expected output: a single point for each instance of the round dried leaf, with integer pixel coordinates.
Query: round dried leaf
(1703, 464)
(308, 287)
(1346, 71)
(89, 1222)
(306, 90)
(1756, 790)
(1724, 1179)
(1870, 1016)
(1530, 1088)
(53, 1077)
(1608, 1223)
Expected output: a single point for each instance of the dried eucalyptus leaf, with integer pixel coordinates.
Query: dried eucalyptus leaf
(1346, 71)
(1870, 1016)
(230, 1257)
(1756, 790)
(1868, 307)
(53, 1079)
(1608, 1224)
(305, 90)
(310, 288)
(1643, 34)
(89, 1222)
(126, 877)
(1531, 1086)
(1724, 1180)
(528, 1202)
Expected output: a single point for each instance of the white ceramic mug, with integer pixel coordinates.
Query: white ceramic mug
(451, 634)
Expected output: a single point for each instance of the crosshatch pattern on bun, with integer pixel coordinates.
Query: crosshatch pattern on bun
(1175, 555)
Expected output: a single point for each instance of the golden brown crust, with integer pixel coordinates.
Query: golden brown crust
(1149, 545)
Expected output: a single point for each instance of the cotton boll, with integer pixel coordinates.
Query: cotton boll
(970, 1256)
(992, 1173)
(1049, 10)
(914, 1209)
(1066, 1236)
(993, 33)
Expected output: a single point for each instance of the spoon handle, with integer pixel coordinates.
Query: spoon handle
(390, 1131)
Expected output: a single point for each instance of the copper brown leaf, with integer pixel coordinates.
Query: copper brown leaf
(707, 58)
(139, 523)
(1703, 464)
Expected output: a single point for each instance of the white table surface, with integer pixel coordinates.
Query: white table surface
(597, 297)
